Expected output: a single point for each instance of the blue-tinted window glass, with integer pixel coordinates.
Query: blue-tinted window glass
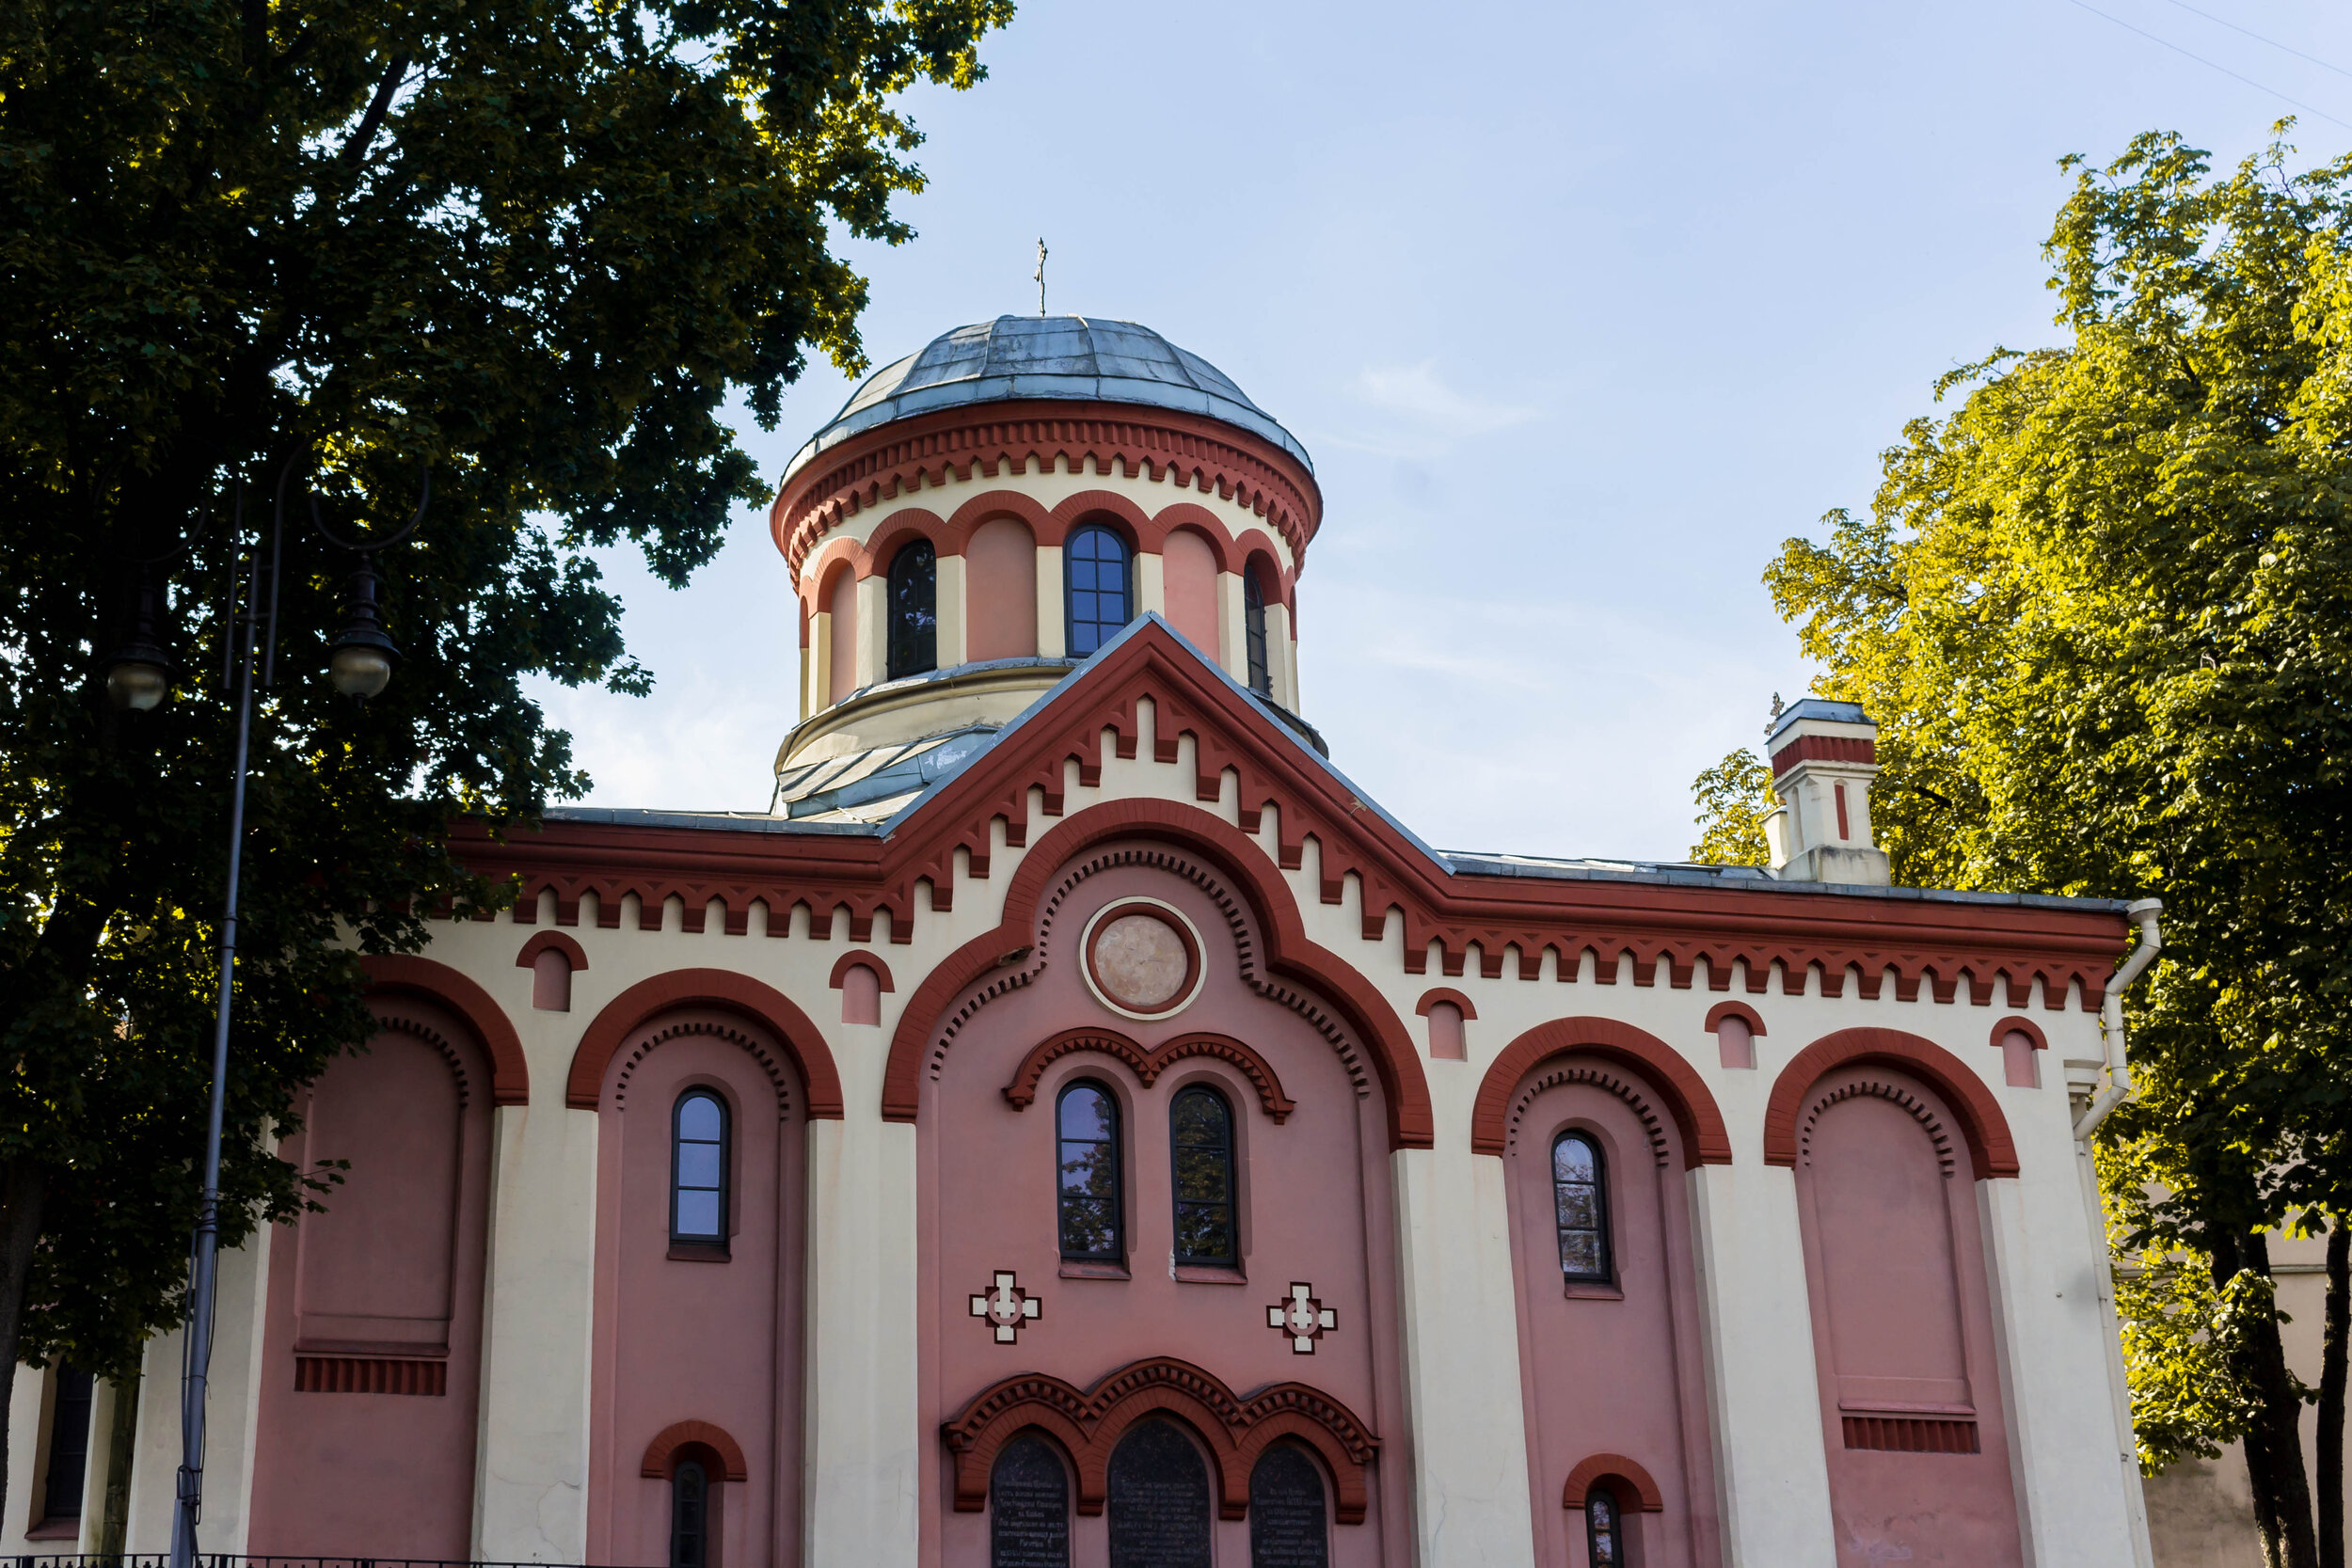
(1099, 580)
(698, 1170)
(1580, 1201)
(1087, 1152)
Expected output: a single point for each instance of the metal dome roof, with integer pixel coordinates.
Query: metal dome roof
(1079, 357)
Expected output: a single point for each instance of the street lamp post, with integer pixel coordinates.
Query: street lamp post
(138, 677)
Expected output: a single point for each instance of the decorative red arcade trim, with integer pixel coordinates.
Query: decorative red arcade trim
(573, 953)
(402, 975)
(2025, 1026)
(860, 960)
(1661, 932)
(1289, 954)
(1611, 1466)
(727, 992)
(662, 1454)
(1705, 1139)
(1824, 748)
(1990, 1150)
(1741, 1010)
(1089, 1425)
(1021, 1092)
(1196, 451)
(1443, 993)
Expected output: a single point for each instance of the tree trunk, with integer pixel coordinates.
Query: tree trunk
(122, 1433)
(2274, 1447)
(23, 1186)
(2334, 1331)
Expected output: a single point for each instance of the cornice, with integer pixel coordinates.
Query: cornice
(1202, 453)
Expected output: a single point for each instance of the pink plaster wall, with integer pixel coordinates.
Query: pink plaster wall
(1000, 591)
(1188, 565)
(1315, 1206)
(841, 604)
(680, 1339)
(1903, 1323)
(1611, 1369)
(394, 1269)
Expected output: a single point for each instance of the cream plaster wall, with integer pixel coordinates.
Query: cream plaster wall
(952, 619)
(1052, 615)
(873, 631)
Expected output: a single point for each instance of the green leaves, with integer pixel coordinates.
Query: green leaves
(1733, 796)
(537, 243)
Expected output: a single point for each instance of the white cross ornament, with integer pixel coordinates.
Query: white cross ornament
(1303, 1317)
(1006, 1306)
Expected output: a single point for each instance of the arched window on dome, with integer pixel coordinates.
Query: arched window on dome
(1253, 628)
(1580, 1198)
(1086, 1167)
(913, 608)
(1098, 575)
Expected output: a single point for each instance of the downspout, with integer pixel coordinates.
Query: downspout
(2113, 1051)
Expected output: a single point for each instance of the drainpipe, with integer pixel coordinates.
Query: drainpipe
(2112, 1049)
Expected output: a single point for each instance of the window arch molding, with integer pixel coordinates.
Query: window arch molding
(723, 990)
(1992, 1151)
(1705, 1139)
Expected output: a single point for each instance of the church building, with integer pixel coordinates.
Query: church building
(1073, 1127)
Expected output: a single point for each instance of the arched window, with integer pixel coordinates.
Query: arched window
(1100, 581)
(698, 1170)
(689, 1516)
(1253, 624)
(1200, 1133)
(1087, 1118)
(913, 608)
(1604, 1541)
(1580, 1200)
(69, 1444)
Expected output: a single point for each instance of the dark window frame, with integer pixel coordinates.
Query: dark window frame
(1254, 620)
(697, 1554)
(1117, 1253)
(1099, 629)
(914, 640)
(1600, 1227)
(72, 1395)
(1610, 1517)
(1178, 1203)
(697, 1241)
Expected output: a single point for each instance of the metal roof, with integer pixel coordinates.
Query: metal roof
(1079, 357)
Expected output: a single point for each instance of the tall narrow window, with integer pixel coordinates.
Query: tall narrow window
(1604, 1541)
(1253, 623)
(698, 1171)
(1200, 1130)
(1580, 1199)
(689, 1516)
(914, 609)
(68, 1445)
(1087, 1152)
(1101, 586)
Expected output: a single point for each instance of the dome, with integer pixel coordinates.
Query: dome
(1079, 357)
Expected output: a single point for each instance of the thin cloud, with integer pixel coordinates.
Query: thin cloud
(1417, 394)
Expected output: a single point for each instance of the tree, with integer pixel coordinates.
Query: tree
(2102, 611)
(535, 244)
(1733, 796)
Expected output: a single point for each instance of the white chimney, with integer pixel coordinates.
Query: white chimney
(1825, 756)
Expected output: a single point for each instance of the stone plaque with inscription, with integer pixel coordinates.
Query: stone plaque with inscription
(1159, 1500)
(1286, 1511)
(1028, 1507)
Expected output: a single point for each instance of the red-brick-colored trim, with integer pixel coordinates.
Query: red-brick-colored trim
(573, 953)
(1611, 1466)
(1705, 1139)
(1658, 933)
(1289, 954)
(427, 1376)
(1435, 995)
(662, 1453)
(2025, 1026)
(1089, 1424)
(1741, 1010)
(727, 992)
(1021, 1091)
(1990, 1150)
(401, 973)
(1197, 452)
(847, 961)
(1824, 747)
(1176, 999)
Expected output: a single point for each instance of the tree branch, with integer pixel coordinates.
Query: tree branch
(356, 150)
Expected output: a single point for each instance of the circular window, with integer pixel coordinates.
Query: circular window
(1142, 959)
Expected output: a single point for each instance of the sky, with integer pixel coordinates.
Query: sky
(1579, 309)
